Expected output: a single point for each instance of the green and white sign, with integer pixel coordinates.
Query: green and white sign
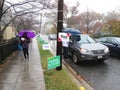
(53, 62)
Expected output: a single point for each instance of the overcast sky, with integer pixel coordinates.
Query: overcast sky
(101, 6)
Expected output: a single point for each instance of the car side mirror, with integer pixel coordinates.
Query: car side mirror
(77, 38)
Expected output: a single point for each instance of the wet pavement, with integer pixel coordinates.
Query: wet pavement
(101, 76)
(19, 74)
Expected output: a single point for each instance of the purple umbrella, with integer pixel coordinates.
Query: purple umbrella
(30, 34)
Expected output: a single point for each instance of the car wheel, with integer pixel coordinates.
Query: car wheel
(75, 58)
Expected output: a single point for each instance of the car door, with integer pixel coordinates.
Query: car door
(118, 50)
(115, 48)
(111, 43)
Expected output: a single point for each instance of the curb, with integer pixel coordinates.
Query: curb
(77, 76)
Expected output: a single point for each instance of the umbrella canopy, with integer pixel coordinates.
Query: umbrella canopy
(30, 34)
(72, 31)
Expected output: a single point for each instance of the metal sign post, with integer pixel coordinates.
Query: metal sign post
(59, 29)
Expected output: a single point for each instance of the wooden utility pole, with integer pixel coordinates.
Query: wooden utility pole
(59, 29)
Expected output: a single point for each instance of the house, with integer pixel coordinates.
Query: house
(9, 33)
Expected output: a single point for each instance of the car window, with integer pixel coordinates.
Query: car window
(109, 40)
(86, 39)
(118, 40)
(112, 41)
(102, 40)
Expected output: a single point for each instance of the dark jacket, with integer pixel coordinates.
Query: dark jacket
(25, 42)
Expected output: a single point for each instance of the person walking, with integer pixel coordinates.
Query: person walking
(24, 40)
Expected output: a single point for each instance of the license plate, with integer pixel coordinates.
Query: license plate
(99, 57)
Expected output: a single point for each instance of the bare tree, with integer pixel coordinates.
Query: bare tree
(18, 9)
(74, 9)
(88, 19)
(112, 15)
(25, 22)
(72, 13)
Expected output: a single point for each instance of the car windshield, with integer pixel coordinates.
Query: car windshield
(118, 39)
(86, 39)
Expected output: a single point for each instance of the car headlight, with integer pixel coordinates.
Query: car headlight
(85, 51)
(106, 50)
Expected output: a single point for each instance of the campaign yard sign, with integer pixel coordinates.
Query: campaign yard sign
(46, 46)
(53, 62)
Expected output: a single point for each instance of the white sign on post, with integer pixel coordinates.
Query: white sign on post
(63, 37)
(46, 46)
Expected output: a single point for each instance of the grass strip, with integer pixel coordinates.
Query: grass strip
(55, 80)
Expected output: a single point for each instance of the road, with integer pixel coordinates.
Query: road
(101, 76)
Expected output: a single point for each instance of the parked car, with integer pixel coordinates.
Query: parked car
(52, 37)
(83, 48)
(113, 43)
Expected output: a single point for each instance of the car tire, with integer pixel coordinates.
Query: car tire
(75, 58)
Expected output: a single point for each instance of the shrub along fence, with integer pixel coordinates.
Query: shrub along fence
(7, 48)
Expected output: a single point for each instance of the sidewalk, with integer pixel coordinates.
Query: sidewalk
(21, 75)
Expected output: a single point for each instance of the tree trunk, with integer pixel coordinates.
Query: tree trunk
(1, 36)
(1, 10)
